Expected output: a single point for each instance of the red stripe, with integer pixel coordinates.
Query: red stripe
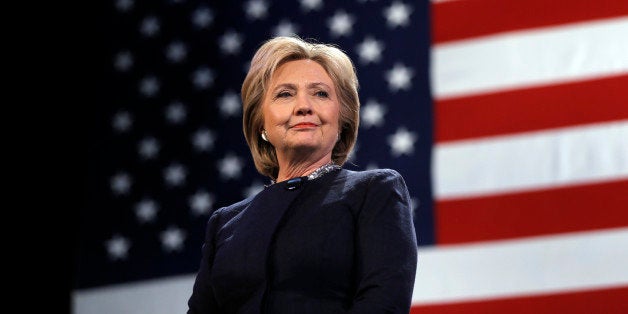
(557, 210)
(454, 20)
(532, 109)
(608, 301)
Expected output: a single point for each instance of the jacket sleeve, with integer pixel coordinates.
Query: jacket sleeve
(202, 299)
(386, 247)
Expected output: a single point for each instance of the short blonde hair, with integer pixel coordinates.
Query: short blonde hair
(272, 54)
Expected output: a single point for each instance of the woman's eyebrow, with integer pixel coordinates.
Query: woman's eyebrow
(317, 84)
(285, 86)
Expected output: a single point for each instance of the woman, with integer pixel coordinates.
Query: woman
(319, 239)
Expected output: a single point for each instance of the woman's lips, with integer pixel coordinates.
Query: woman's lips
(304, 125)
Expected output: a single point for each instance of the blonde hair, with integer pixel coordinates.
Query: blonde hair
(272, 54)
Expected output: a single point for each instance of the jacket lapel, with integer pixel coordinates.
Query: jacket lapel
(239, 272)
(258, 222)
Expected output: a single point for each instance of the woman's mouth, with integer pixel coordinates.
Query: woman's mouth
(304, 125)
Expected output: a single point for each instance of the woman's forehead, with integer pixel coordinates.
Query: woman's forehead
(300, 71)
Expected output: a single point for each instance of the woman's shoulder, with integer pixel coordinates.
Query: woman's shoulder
(227, 212)
(374, 180)
(374, 175)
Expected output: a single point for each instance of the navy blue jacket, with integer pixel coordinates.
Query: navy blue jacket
(342, 243)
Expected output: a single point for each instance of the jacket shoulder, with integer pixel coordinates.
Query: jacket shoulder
(225, 213)
(374, 176)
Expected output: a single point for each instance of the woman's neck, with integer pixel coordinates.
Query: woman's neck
(300, 169)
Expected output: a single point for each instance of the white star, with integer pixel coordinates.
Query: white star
(124, 5)
(176, 52)
(285, 28)
(123, 61)
(308, 5)
(203, 140)
(230, 167)
(399, 77)
(175, 174)
(122, 121)
(172, 239)
(202, 17)
(146, 210)
(340, 24)
(176, 112)
(149, 86)
(370, 50)
(120, 183)
(253, 189)
(117, 247)
(230, 43)
(256, 9)
(402, 142)
(372, 114)
(203, 78)
(201, 203)
(148, 148)
(229, 104)
(398, 14)
(150, 26)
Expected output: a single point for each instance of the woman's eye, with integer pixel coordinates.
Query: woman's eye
(283, 94)
(322, 94)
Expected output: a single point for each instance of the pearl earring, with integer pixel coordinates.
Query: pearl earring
(264, 135)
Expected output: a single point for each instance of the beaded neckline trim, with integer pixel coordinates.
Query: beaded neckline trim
(324, 169)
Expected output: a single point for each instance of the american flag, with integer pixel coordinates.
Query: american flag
(507, 119)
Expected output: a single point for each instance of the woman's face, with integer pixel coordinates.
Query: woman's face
(301, 111)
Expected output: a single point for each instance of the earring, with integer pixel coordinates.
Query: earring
(338, 140)
(264, 135)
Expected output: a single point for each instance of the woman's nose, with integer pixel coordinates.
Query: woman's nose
(303, 106)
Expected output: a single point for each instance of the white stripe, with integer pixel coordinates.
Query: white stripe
(532, 160)
(163, 296)
(573, 262)
(528, 58)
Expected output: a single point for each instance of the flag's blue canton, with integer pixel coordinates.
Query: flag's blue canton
(166, 149)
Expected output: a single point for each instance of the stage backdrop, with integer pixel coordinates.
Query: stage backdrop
(508, 120)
